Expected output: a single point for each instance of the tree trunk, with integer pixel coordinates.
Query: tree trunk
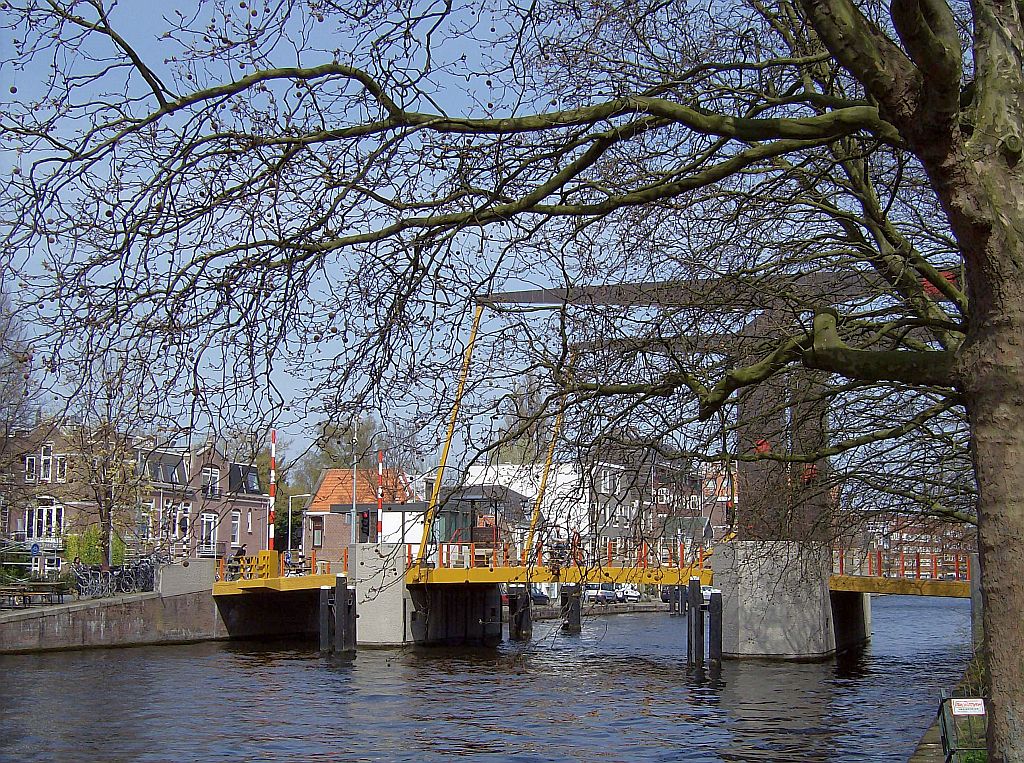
(106, 520)
(993, 389)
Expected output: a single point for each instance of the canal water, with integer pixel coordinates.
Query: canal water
(618, 692)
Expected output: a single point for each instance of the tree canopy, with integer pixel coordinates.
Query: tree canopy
(253, 193)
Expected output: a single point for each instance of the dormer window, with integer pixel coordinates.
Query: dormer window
(252, 481)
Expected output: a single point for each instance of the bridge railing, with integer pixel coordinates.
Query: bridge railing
(265, 564)
(899, 564)
(464, 555)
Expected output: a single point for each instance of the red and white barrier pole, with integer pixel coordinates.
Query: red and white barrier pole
(380, 494)
(273, 488)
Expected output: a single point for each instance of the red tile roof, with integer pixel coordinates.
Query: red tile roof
(336, 488)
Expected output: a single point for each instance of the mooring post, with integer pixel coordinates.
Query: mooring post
(326, 621)
(715, 631)
(571, 609)
(514, 603)
(520, 618)
(344, 618)
(680, 593)
(695, 621)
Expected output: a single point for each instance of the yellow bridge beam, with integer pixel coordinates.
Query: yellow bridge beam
(522, 575)
(959, 589)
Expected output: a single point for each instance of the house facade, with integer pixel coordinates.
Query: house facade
(171, 501)
(393, 516)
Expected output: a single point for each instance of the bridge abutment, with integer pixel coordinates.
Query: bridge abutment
(777, 603)
(394, 614)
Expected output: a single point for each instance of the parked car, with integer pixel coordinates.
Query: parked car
(539, 597)
(628, 593)
(600, 593)
(666, 593)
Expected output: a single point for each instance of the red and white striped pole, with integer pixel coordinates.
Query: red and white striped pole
(380, 494)
(273, 488)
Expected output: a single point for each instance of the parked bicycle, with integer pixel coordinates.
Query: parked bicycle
(96, 582)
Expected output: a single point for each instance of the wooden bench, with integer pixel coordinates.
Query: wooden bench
(32, 594)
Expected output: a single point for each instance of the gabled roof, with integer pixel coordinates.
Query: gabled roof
(335, 488)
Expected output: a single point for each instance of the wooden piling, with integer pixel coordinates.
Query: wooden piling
(344, 618)
(572, 608)
(326, 621)
(695, 623)
(715, 631)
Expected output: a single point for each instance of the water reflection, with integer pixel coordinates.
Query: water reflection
(620, 691)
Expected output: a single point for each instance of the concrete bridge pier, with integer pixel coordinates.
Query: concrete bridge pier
(456, 615)
(777, 603)
(394, 614)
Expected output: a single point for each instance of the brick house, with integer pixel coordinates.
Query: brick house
(176, 502)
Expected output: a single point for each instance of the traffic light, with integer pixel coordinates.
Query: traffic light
(364, 527)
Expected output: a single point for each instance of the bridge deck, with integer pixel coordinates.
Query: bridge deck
(959, 589)
(485, 575)
(637, 576)
(462, 564)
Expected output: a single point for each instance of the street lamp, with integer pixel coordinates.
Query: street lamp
(300, 495)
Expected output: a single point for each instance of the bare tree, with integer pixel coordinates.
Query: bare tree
(319, 191)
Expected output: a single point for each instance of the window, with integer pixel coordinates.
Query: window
(207, 533)
(144, 519)
(317, 524)
(46, 520)
(182, 519)
(30, 468)
(62, 469)
(248, 521)
(211, 481)
(252, 480)
(664, 495)
(695, 503)
(45, 463)
(236, 521)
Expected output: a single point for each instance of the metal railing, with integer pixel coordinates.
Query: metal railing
(886, 564)
(962, 724)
